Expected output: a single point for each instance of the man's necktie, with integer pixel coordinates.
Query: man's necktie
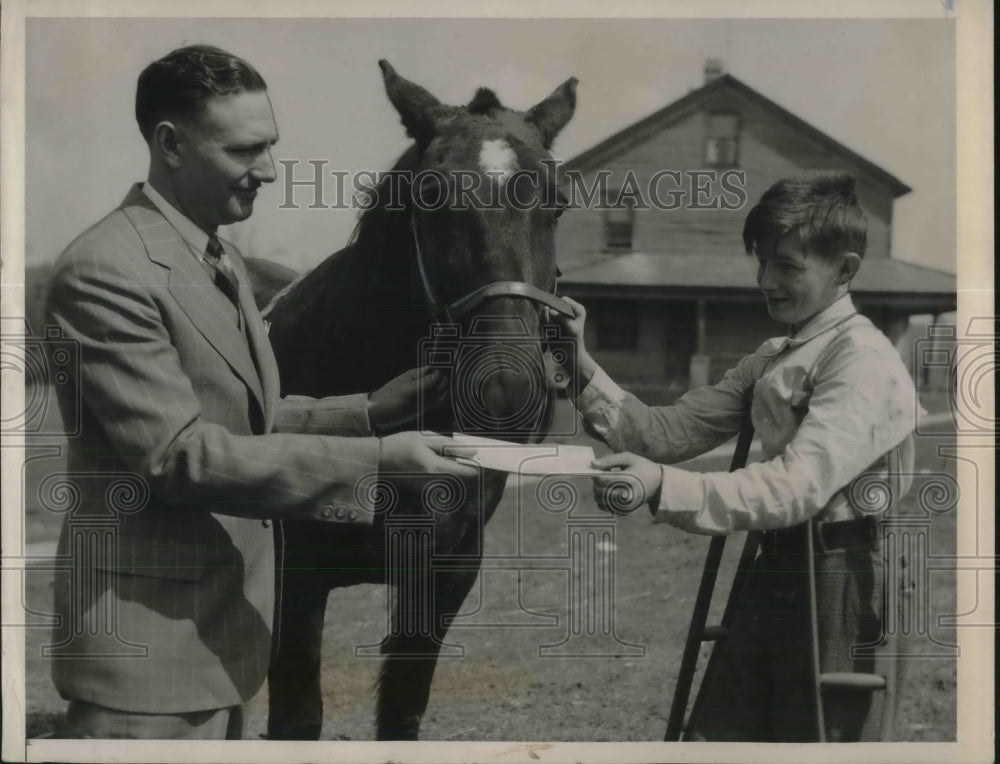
(225, 277)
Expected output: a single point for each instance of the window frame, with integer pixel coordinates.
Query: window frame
(618, 243)
(711, 139)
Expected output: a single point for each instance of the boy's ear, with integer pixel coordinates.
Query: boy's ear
(850, 262)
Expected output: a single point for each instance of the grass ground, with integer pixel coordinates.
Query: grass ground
(504, 687)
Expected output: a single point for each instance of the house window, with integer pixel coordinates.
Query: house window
(619, 223)
(617, 326)
(722, 143)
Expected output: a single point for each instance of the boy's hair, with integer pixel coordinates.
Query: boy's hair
(822, 209)
(183, 80)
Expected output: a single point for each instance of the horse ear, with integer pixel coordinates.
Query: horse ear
(551, 115)
(414, 104)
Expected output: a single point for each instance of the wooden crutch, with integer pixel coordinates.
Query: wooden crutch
(851, 680)
(698, 632)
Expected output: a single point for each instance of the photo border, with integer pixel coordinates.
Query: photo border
(974, 247)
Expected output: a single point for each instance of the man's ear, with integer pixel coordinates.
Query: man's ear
(166, 143)
(849, 264)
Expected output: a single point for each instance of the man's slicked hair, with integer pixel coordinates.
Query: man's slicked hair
(823, 209)
(182, 81)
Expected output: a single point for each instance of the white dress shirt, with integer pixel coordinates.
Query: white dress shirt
(829, 403)
(194, 237)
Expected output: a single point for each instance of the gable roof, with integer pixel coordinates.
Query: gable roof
(689, 103)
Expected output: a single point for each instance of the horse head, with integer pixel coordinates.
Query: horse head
(483, 201)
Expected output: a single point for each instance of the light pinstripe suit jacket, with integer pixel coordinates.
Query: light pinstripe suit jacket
(169, 608)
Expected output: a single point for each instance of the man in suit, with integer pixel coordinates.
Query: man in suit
(167, 602)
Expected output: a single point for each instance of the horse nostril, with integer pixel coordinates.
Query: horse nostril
(499, 388)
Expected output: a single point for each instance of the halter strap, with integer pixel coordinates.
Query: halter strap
(464, 304)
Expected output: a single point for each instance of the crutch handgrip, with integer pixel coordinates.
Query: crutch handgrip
(847, 680)
(712, 633)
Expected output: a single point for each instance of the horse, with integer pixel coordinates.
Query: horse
(453, 259)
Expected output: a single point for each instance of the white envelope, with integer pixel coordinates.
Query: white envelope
(538, 459)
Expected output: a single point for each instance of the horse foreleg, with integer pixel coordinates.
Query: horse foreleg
(411, 654)
(295, 696)
(404, 687)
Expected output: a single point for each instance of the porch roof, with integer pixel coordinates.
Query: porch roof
(639, 273)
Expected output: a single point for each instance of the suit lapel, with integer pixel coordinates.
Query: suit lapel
(191, 286)
(260, 344)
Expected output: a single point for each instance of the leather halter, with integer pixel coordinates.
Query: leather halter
(454, 311)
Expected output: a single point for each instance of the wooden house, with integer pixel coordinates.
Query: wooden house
(653, 247)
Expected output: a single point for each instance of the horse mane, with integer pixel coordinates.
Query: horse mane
(484, 102)
(343, 300)
(373, 240)
(371, 231)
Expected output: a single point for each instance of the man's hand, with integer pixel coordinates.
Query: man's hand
(407, 455)
(630, 482)
(398, 401)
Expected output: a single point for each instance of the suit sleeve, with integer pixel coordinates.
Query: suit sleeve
(334, 415)
(132, 379)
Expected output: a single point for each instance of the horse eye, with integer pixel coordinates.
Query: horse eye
(561, 203)
(429, 192)
(522, 189)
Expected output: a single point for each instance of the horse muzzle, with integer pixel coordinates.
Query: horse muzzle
(500, 388)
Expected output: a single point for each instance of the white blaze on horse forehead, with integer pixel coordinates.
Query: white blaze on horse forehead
(497, 157)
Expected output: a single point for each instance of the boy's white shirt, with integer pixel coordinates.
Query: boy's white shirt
(829, 403)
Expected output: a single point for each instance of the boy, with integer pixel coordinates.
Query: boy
(831, 402)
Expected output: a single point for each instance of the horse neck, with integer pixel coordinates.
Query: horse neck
(376, 312)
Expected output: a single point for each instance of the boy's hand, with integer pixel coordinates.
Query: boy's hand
(631, 482)
(572, 326)
(574, 329)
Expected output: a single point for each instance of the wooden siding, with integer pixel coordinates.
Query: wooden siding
(768, 150)
(666, 339)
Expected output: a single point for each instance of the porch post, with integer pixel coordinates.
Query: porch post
(700, 362)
